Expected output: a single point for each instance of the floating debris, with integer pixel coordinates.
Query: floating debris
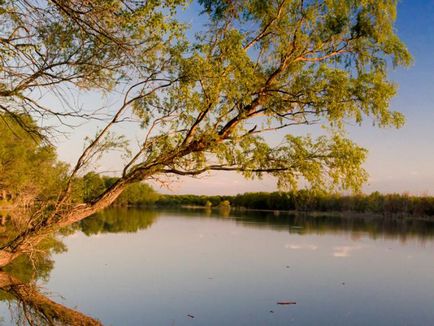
(191, 316)
(286, 302)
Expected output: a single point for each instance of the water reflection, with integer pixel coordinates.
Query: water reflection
(117, 220)
(385, 228)
(132, 220)
(30, 306)
(27, 304)
(19, 280)
(210, 253)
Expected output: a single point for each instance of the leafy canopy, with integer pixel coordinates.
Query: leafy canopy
(264, 66)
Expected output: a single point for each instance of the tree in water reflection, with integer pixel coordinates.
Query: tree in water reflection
(18, 280)
(27, 303)
(117, 220)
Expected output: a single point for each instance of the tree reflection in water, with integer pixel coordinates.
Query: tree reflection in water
(28, 305)
(18, 281)
(118, 220)
(394, 228)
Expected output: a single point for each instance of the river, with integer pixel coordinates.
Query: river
(221, 267)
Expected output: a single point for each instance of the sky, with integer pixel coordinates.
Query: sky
(398, 160)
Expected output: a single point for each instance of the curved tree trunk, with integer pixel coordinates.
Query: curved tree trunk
(39, 307)
(28, 239)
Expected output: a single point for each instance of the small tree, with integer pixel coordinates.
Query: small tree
(225, 204)
(208, 204)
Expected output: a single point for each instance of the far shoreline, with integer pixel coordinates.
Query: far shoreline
(305, 213)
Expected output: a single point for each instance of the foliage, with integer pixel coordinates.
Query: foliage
(88, 45)
(266, 66)
(93, 185)
(28, 168)
(136, 194)
(225, 204)
(188, 200)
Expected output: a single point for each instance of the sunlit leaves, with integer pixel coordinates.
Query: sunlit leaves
(28, 168)
(265, 66)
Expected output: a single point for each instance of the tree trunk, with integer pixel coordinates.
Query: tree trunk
(28, 239)
(41, 307)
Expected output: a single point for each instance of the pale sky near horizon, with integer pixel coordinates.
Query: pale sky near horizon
(398, 160)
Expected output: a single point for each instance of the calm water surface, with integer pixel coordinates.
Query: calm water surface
(137, 267)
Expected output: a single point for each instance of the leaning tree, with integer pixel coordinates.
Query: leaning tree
(203, 103)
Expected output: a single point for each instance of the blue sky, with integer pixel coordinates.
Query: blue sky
(398, 161)
(403, 160)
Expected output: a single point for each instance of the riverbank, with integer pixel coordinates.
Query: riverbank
(337, 214)
(302, 202)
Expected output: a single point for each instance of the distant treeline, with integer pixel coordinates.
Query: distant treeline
(141, 194)
(303, 200)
